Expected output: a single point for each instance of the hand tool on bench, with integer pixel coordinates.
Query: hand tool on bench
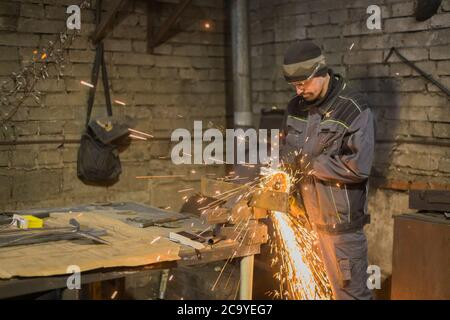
(13, 237)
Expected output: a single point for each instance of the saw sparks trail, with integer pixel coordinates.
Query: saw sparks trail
(300, 271)
(302, 275)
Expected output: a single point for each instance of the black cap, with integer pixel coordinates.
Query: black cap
(303, 60)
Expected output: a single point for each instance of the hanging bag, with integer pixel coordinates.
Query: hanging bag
(98, 156)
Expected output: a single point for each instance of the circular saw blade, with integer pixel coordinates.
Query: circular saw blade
(278, 181)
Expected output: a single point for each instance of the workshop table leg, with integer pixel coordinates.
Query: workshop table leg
(246, 283)
(163, 283)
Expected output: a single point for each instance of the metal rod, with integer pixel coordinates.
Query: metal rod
(420, 71)
(56, 141)
(164, 30)
(416, 141)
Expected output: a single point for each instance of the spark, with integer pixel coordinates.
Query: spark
(171, 277)
(351, 47)
(114, 295)
(156, 239)
(120, 102)
(140, 132)
(185, 190)
(301, 272)
(87, 84)
(137, 137)
(159, 177)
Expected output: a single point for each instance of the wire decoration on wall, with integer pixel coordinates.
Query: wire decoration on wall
(45, 62)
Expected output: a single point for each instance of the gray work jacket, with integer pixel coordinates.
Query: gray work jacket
(328, 145)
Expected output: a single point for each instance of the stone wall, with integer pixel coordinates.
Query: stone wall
(413, 116)
(182, 81)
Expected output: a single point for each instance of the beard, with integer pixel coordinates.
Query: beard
(309, 97)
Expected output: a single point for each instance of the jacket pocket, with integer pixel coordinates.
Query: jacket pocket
(295, 137)
(330, 137)
(349, 254)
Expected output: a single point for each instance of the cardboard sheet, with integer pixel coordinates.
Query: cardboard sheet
(130, 246)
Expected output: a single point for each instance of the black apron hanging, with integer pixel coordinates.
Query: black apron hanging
(98, 156)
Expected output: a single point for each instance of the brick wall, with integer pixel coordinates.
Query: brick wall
(183, 81)
(413, 116)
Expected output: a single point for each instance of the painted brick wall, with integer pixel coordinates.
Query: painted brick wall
(413, 116)
(183, 81)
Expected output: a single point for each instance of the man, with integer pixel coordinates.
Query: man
(328, 140)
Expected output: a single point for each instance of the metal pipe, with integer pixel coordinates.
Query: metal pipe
(420, 71)
(246, 283)
(241, 64)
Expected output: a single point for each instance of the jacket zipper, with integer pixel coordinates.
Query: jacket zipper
(334, 203)
(348, 204)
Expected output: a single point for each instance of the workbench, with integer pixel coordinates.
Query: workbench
(18, 285)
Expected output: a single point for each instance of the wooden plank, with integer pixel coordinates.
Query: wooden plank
(215, 188)
(107, 24)
(254, 234)
(215, 215)
(21, 286)
(241, 212)
(216, 253)
(151, 16)
(161, 35)
(270, 200)
(259, 213)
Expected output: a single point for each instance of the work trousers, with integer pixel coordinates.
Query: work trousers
(345, 260)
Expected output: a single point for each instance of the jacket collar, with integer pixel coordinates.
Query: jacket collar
(334, 87)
